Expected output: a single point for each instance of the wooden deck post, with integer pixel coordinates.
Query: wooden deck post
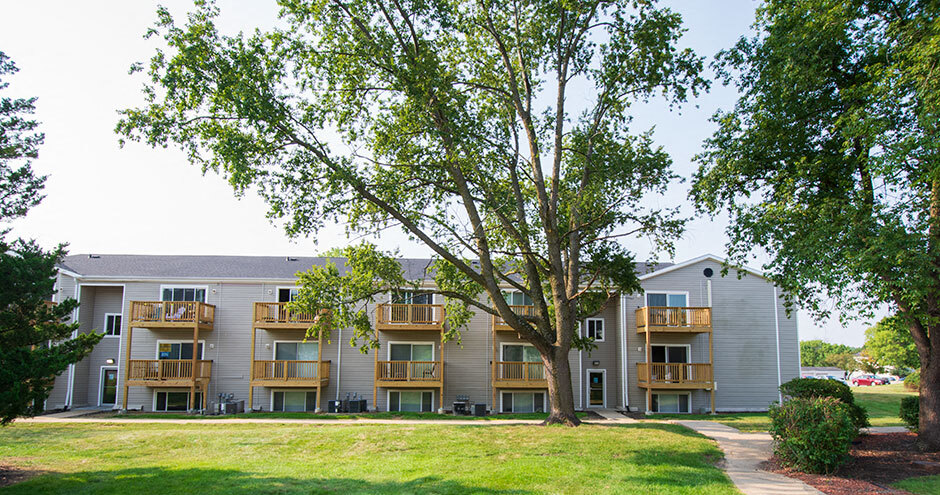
(192, 387)
(375, 386)
(127, 365)
(251, 367)
(649, 368)
(440, 405)
(494, 371)
(319, 369)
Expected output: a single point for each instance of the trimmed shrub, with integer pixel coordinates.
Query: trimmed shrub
(912, 381)
(910, 412)
(813, 434)
(807, 388)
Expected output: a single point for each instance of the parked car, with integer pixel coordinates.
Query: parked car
(867, 380)
(837, 378)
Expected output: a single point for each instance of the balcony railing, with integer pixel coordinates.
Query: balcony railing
(674, 375)
(288, 372)
(410, 316)
(159, 370)
(403, 372)
(500, 324)
(279, 315)
(517, 374)
(673, 319)
(171, 313)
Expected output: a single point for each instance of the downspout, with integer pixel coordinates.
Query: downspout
(623, 351)
(777, 329)
(580, 371)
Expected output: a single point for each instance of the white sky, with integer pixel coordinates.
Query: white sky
(74, 57)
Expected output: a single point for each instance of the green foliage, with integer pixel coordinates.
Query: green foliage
(809, 388)
(812, 434)
(910, 412)
(446, 120)
(912, 381)
(829, 162)
(816, 352)
(34, 340)
(844, 361)
(889, 343)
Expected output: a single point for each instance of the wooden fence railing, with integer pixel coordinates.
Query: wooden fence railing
(516, 371)
(526, 310)
(410, 314)
(271, 312)
(172, 312)
(674, 373)
(168, 369)
(409, 371)
(677, 317)
(290, 370)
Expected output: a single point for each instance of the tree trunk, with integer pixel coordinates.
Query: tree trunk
(560, 391)
(929, 426)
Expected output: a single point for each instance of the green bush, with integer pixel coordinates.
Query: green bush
(910, 412)
(807, 388)
(912, 381)
(812, 435)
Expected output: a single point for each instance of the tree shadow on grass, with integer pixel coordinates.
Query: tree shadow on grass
(231, 482)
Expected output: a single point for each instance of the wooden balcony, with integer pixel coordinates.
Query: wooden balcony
(410, 317)
(278, 316)
(290, 374)
(509, 374)
(675, 375)
(167, 372)
(172, 314)
(500, 325)
(673, 320)
(409, 374)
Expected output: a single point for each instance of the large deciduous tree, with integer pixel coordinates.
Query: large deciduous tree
(497, 134)
(829, 161)
(35, 343)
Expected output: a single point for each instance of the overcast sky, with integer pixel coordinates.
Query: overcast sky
(74, 56)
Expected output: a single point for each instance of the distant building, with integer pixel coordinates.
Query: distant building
(821, 371)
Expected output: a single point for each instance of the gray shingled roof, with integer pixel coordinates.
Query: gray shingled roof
(227, 267)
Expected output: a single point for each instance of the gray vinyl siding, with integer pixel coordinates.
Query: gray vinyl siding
(745, 357)
(65, 288)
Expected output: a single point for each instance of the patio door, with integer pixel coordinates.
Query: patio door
(109, 379)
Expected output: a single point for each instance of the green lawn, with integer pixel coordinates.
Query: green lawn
(206, 458)
(305, 415)
(882, 402)
(922, 485)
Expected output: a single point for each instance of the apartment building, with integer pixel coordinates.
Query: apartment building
(180, 330)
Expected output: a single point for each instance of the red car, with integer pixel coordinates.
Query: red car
(867, 380)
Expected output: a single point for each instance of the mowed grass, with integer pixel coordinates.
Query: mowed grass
(883, 402)
(921, 485)
(207, 458)
(306, 415)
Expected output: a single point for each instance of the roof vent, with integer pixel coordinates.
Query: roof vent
(94, 256)
(290, 258)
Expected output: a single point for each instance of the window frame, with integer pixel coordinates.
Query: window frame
(677, 394)
(184, 286)
(107, 331)
(202, 357)
(399, 342)
(276, 342)
(668, 293)
(502, 400)
(305, 391)
(502, 352)
(175, 391)
(587, 328)
(292, 288)
(688, 352)
(506, 292)
(388, 398)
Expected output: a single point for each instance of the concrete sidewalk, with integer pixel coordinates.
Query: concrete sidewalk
(743, 453)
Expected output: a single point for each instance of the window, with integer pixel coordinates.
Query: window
(516, 298)
(177, 350)
(670, 403)
(296, 351)
(595, 329)
(175, 401)
(286, 294)
(523, 402)
(669, 353)
(299, 401)
(521, 354)
(112, 324)
(410, 352)
(410, 401)
(666, 299)
(412, 297)
(184, 294)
